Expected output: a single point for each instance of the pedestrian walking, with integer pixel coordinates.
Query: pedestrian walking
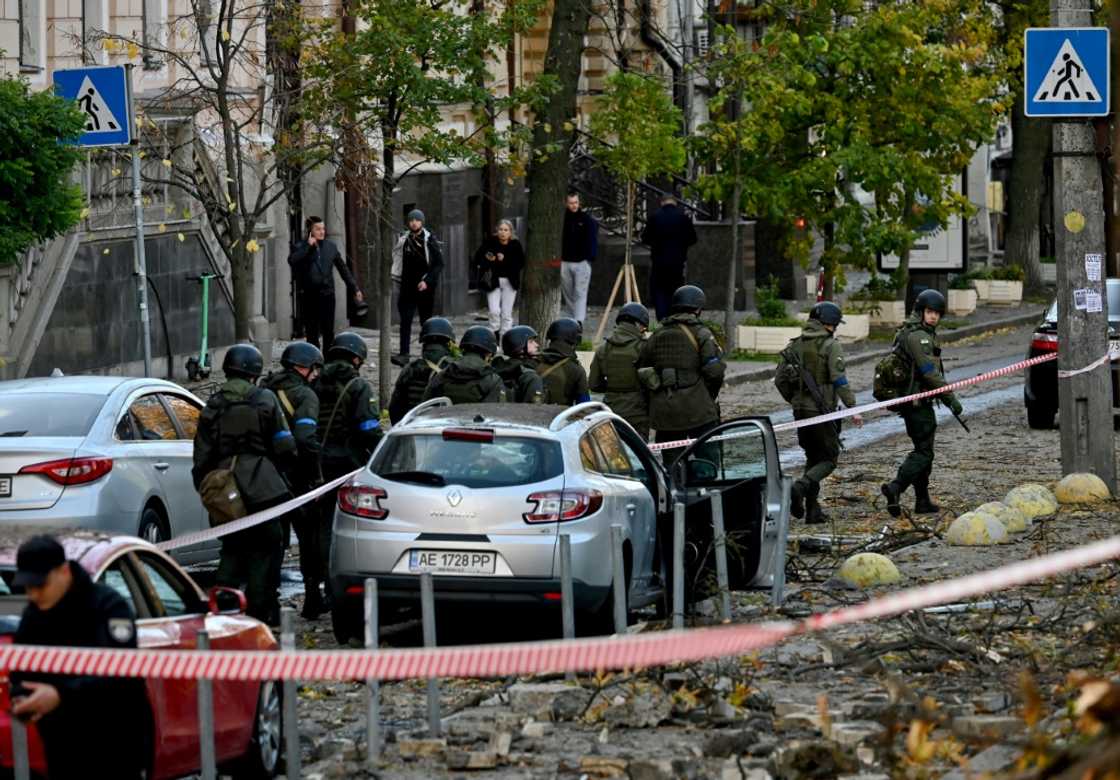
(565, 381)
(498, 263)
(916, 344)
(470, 379)
(578, 249)
(614, 369)
(301, 363)
(312, 261)
(517, 366)
(668, 234)
(436, 336)
(90, 725)
(243, 429)
(417, 264)
(683, 370)
(821, 381)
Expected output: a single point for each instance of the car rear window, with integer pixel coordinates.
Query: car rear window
(430, 459)
(48, 414)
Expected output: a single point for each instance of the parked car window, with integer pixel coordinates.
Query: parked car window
(186, 413)
(151, 419)
(174, 595)
(431, 459)
(48, 414)
(114, 576)
(589, 454)
(611, 447)
(637, 468)
(740, 456)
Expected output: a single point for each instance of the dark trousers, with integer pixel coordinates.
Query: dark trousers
(409, 302)
(317, 315)
(254, 557)
(708, 452)
(921, 426)
(821, 444)
(313, 529)
(663, 282)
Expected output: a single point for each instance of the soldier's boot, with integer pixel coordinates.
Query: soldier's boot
(922, 504)
(813, 512)
(893, 492)
(313, 605)
(797, 500)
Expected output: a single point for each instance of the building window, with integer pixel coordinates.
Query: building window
(31, 35)
(155, 26)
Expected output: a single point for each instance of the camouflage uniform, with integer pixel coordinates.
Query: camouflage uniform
(468, 380)
(614, 372)
(413, 381)
(565, 381)
(523, 384)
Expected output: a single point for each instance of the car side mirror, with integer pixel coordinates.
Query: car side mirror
(223, 599)
(700, 470)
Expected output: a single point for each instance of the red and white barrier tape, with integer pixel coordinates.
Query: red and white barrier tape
(257, 518)
(577, 655)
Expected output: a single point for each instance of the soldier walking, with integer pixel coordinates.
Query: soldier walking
(436, 336)
(470, 379)
(614, 369)
(917, 345)
(565, 381)
(823, 381)
(517, 366)
(243, 428)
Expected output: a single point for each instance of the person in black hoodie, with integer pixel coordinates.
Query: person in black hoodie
(81, 718)
(578, 247)
(417, 264)
(311, 262)
(499, 262)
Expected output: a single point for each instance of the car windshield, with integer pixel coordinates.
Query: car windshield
(429, 459)
(48, 414)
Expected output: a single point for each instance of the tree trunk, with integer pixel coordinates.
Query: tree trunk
(385, 309)
(241, 269)
(1030, 140)
(828, 263)
(730, 333)
(626, 279)
(1112, 211)
(548, 175)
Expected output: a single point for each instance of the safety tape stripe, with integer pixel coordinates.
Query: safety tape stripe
(578, 655)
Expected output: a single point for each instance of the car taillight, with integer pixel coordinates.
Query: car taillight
(71, 471)
(468, 434)
(554, 506)
(1045, 342)
(363, 501)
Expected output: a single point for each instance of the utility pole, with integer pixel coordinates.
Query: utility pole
(1085, 397)
(689, 7)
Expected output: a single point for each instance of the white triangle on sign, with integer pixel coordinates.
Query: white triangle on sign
(1067, 81)
(99, 117)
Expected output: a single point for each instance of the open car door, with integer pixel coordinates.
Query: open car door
(739, 459)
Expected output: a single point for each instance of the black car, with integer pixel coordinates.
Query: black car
(1040, 389)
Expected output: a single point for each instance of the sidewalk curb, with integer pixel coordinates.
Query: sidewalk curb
(948, 337)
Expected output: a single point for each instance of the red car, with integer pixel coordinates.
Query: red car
(170, 611)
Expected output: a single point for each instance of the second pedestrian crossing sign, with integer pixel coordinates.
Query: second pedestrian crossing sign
(1066, 71)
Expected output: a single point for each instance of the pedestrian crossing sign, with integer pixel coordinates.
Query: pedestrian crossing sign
(102, 94)
(1066, 71)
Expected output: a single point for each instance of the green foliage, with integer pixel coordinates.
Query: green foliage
(980, 273)
(752, 356)
(37, 199)
(1046, 260)
(585, 346)
(717, 331)
(771, 309)
(960, 282)
(1009, 273)
(637, 126)
(878, 288)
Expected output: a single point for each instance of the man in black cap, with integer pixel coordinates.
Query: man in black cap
(417, 263)
(78, 717)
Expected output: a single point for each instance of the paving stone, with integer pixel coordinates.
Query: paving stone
(993, 759)
(500, 742)
(548, 701)
(987, 726)
(821, 757)
(535, 729)
(420, 747)
(471, 759)
(856, 732)
(726, 744)
(603, 766)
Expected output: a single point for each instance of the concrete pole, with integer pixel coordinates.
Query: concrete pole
(140, 264)
(373, 685)
(428, 616)
(1085, 411)
(689, 7)
(207, 756)
(719, 543)
(291, 692)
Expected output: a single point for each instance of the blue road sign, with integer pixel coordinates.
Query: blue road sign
(1066, 71)
(102, 93)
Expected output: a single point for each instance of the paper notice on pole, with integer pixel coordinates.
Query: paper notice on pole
(1079, 299)
(1093, 302)
(1093, 267)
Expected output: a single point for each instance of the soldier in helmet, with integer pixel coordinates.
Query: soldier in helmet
(822, 359)
(245, 421)
(565, 381)
(517, 366)
(682, 366)
(436, 336)
(470, 379)
(917, 343)
(614, 369)
(302, 362)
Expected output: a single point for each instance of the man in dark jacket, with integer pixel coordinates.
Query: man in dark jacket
(312, 261)
(436, 335)
(245, 422)
(302, 363)
(614, 369)
(417, 264)
(470, 379)
(668, 234)
(565, 381)
(578, 248)
(91, 726)
(682, 366)
(517, 366)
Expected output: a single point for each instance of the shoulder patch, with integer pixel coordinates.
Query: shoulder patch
(121, 629)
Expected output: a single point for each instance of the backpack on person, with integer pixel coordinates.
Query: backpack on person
(221, 495)
(894, 373)
(787, 377)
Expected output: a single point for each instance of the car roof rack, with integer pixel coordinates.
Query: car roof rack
(431, 403)
(572, 413)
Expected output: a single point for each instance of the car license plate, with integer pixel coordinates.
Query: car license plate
(451, 562)
(5, 487)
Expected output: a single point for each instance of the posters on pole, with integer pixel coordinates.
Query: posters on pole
(1093, 267)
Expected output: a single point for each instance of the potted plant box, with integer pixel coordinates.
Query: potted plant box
(769, 339)
(962, 302)
(883, 312)
(983, 289)
(1049, 272)
(585, 356)
(1005, 292)
(855, 327)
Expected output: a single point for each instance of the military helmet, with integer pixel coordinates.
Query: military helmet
(827, 313)
(480, 339)
(302, 354)
(516, 340)
(565, 329)
(436, 328)
(348, 345)
(243, 360)
(930, 299)
(688, 298)
(635, 312)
